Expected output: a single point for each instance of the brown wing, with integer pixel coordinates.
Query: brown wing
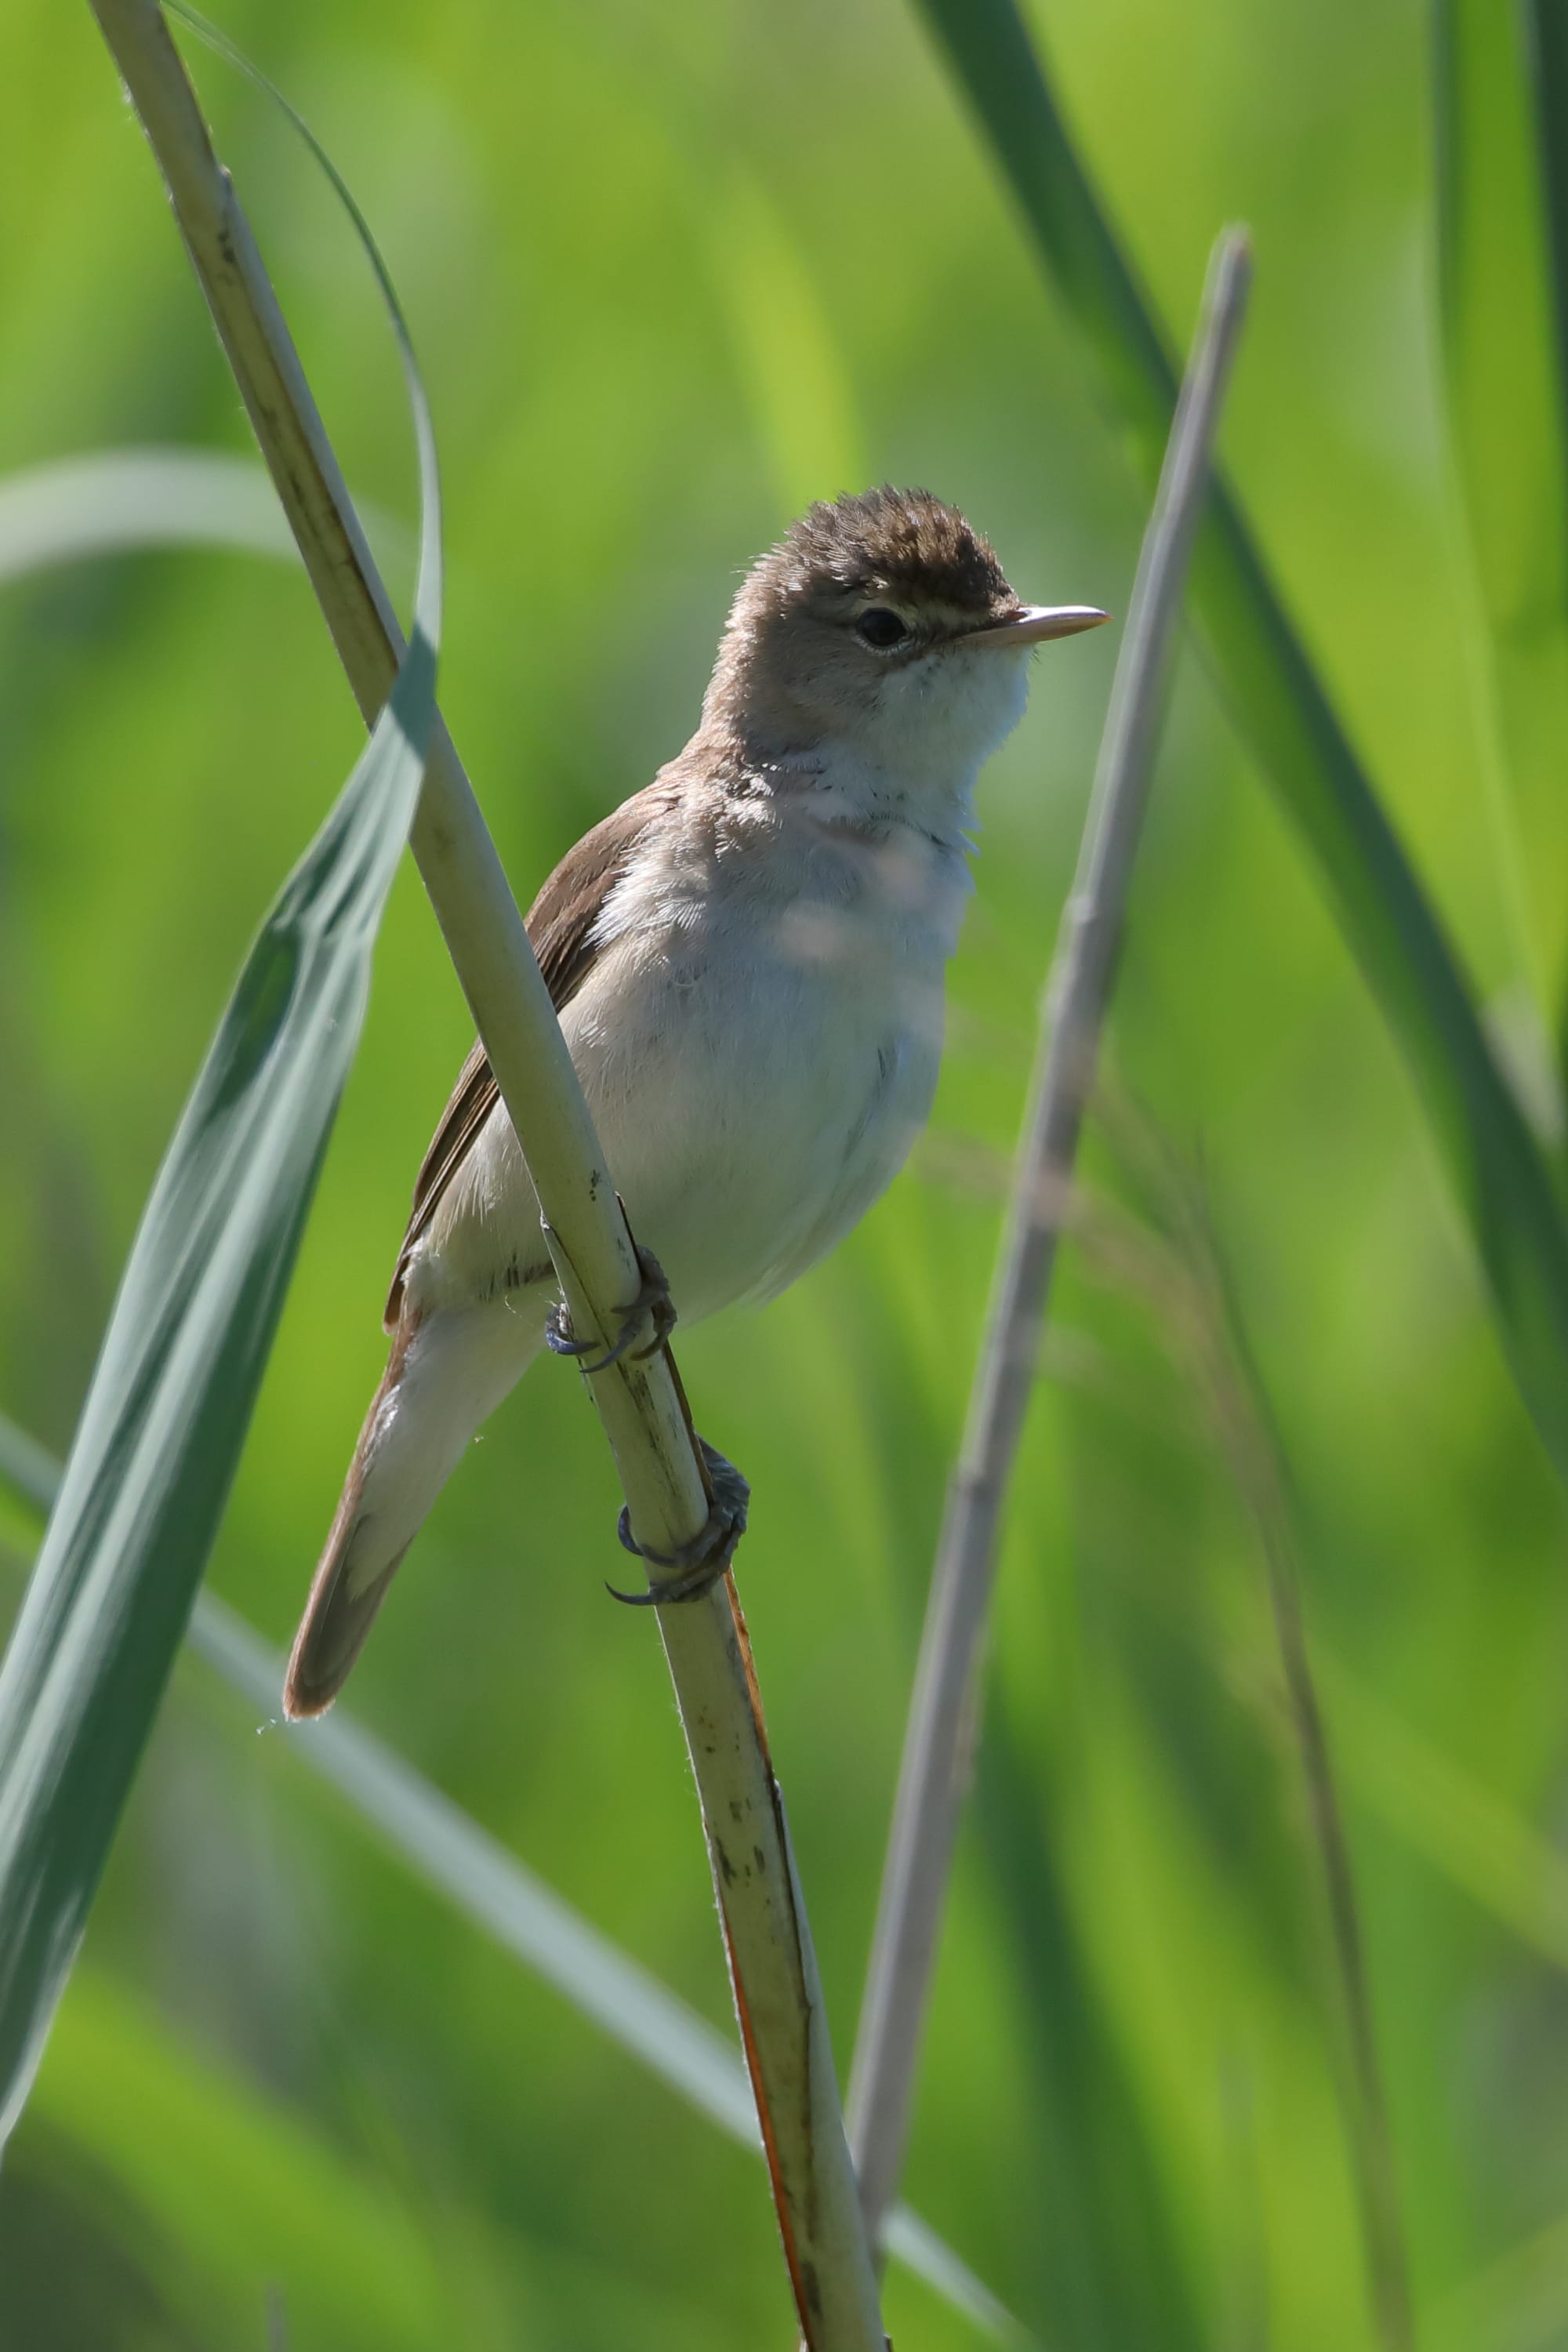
(560, 923)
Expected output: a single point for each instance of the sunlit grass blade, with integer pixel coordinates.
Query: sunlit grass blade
(1498, 1172)
(120, 501)
(1505, 402)
(114, 501)
(159, 1434)
(462, 1863)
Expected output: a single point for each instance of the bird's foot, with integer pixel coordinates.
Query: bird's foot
(653, 1303)
(703, 1560)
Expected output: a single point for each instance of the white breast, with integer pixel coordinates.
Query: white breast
(758, 1040)
(760, 1051)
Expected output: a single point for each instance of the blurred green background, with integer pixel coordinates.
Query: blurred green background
(672, 271)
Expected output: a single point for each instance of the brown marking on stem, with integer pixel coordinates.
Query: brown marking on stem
(803, 2285)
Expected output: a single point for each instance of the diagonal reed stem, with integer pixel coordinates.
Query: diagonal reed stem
(772, 1963)
(943, 1714)
(487, 1885)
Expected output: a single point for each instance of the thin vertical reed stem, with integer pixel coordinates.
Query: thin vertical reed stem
(767, 1940)
(943, 1714)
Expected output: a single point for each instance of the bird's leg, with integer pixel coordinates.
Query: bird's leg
(706, 1557)
(653, 1303)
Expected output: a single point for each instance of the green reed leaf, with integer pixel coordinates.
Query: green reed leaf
(1500, 335)
(160, 1435)
(496, 1893)
(1496, 1168)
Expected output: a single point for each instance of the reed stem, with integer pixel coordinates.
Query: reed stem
(944, 1710)
(772, 1963)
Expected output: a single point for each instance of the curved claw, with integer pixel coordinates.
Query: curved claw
(706, 1557)
(685, 1587)
(652, 1304)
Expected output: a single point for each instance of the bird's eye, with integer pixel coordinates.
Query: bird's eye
(880, 626)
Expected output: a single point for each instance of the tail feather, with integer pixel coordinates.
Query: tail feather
(446, 1375)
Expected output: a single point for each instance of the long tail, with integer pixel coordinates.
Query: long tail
(446, 1374)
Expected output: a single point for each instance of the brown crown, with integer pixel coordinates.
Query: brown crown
(899, 543)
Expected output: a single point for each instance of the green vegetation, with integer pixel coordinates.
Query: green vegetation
(670, 272)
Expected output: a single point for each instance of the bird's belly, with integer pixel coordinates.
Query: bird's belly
(752, 1107)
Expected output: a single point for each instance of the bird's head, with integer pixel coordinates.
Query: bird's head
(883, 624)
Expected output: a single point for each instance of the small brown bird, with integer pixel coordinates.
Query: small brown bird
(748, 961)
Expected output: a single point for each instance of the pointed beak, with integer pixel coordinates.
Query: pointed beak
(1037, 622)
